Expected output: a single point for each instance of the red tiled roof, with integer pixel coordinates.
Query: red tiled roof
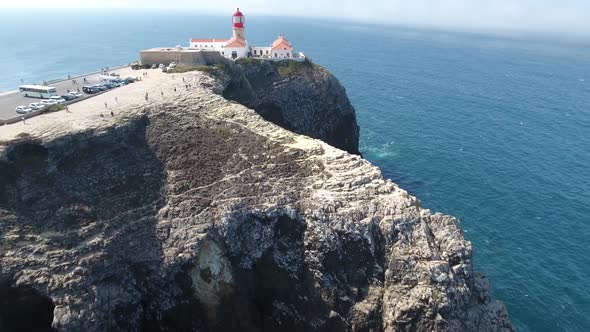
(208, 40)
(282, 43)
(236, 42)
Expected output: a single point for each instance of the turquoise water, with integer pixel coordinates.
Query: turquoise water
(493, 130)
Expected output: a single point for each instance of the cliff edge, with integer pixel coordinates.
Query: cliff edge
(302, 97)
(188, 212)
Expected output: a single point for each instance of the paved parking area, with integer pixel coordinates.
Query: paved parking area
(10, 100)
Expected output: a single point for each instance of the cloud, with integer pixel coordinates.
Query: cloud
(557, 16)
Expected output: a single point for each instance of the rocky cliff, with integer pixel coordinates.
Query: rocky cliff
(302, 97)
(193, 213)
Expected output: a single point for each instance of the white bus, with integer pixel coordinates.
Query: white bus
(37, 91)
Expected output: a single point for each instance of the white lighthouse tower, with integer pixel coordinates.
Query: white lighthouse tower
(239, 28)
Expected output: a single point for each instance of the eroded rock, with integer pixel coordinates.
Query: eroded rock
(196, 214)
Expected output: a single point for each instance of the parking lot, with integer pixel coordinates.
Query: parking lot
(10, 100)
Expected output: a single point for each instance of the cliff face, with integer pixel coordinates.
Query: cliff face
(302, 97)
(194, 213)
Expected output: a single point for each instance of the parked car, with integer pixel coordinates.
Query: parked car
(129, 80)
(154, 66)
(90, 89)
(76, 94)
(58, 99)
(48, 102)
(23, 109)
(94, 88)
(111, 85)
(172, 65)
(68, 97)
(37, 106)
(161, 66)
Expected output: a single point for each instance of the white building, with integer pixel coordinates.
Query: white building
(237, 46)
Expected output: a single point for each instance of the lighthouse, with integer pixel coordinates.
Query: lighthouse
(238, 47)
(239, 28)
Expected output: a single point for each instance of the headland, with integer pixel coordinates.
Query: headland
(185, 210)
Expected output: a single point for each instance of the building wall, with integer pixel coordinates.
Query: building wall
(282, 54)
(241, 52)
(158, 57)
(200, 58)
(215, 46)
(261, 51)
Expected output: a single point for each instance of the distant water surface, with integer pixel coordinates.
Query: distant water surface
(495, 131)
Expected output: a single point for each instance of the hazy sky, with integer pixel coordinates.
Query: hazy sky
(570, 16)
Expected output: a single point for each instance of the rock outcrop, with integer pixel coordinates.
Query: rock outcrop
(302, 97)
(193, 213)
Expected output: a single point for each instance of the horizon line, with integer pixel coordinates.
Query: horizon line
(442, 27)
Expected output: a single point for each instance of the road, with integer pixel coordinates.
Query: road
(10, 100)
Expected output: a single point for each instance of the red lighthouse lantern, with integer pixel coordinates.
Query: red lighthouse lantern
(239, 19)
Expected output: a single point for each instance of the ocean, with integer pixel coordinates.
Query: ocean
(492, 129)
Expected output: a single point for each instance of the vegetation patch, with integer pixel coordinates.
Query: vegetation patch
(220, 66)
(248, 61)
(55, 108)
(186, 69)
(290, 67)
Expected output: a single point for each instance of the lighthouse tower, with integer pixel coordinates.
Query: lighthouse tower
(238, 21)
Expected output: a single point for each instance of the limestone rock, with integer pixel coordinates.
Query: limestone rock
(196, 214)
(302, 97)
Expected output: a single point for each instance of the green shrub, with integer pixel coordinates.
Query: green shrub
(55, 108)
(220, 66)
(248, 61)
(185, 69)
(290, 67)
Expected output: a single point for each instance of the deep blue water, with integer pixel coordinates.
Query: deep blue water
(493, 130)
